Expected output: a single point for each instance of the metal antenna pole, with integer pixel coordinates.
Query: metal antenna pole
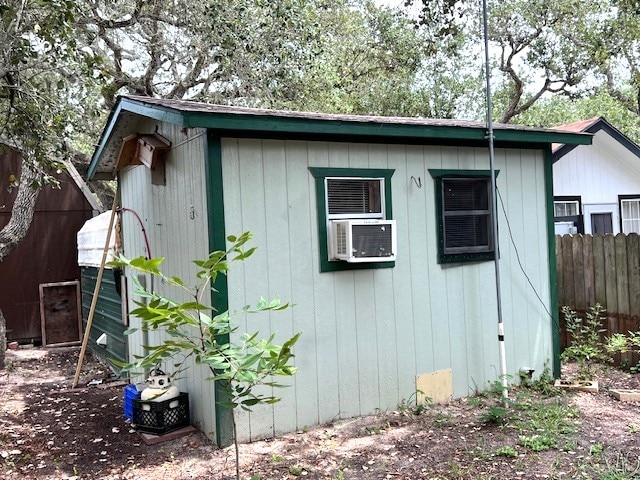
(494, 207)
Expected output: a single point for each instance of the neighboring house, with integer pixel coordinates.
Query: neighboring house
(48, 253)
(597, 187)
(377, 229)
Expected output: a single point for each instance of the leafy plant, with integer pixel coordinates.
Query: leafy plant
(544, 384)
(538, 443)
(621, 343)
(196, 330)
(411, 406)
(586, 347)
(507, 451)
(495, 415)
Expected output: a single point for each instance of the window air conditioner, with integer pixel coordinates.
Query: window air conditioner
(357, 241)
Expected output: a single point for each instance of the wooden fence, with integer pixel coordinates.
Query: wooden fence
(601, 269)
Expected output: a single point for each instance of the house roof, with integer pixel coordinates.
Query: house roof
(592, 125)
(230, 121)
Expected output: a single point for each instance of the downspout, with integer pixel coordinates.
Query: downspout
(494, 208)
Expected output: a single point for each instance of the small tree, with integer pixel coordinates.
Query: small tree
(196, 330)
(585, 345)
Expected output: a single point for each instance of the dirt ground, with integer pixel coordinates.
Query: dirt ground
(49, 431)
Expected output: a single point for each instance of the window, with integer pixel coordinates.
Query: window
(352, 194)
(567, 213)
(354, 197)
(464, 215)
(566, 208)
(630, 213)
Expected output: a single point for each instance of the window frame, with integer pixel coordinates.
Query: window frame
(567, 199)
(463, 254)
(320, 175)
(578, 220)
(623, 198)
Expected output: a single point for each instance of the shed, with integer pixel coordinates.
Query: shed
(597, 186)
(415, 306)
(48, 253)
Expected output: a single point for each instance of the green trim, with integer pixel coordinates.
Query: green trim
(217, 241)
(553, 271)
(278, 121)
(320, 173)
(278, 124)
(443, 257)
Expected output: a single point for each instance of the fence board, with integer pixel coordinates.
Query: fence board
(559, 269)
(578, 272)
(622, 274)
(598, 269)
(567, 266)
(610, 273)
(633, 266)
(589, 277)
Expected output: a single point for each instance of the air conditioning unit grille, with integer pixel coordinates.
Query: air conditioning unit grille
(372, 241)
(341, 239)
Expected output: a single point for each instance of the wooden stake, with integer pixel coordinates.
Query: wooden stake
(96, 291)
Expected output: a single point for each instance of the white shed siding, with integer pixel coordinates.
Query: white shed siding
(366, 334)
(175, 219)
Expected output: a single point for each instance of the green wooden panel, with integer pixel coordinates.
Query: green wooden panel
(366, 334)
(107, 316)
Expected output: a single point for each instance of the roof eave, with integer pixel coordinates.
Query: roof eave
(279, 124)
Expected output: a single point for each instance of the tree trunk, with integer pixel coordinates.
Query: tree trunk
(3, 339)
(21, 212)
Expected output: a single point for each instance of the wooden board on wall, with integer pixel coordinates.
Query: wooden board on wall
(60, 313)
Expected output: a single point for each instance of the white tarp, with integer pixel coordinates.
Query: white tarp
(91, 239)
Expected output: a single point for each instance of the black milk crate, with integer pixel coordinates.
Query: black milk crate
(161, 417)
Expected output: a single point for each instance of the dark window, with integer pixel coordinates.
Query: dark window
(355, 196)
(465, 228)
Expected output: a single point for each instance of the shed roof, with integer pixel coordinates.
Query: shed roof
(592, 125)
(229, 121)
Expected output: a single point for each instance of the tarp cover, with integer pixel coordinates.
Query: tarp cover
(91, 239)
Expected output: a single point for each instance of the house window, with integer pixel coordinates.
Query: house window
(464, 215)
(567, 213)
(630, 214)
(350, 194)
(566, 208)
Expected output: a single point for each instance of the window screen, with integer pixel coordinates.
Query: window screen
(467, 215)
